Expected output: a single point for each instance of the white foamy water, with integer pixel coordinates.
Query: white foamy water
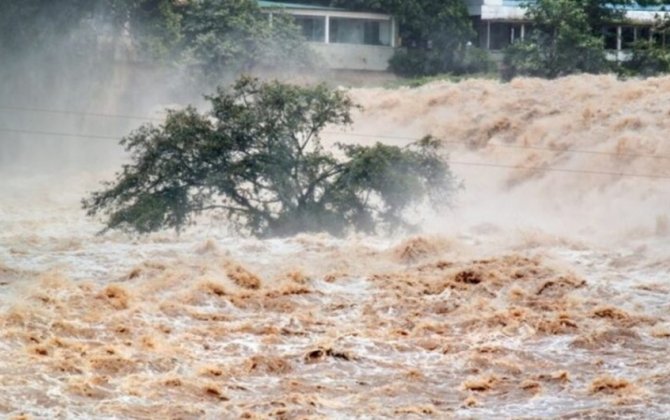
(539, 294)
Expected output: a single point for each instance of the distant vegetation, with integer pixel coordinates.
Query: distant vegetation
(257, 158)
(229, 37)
(563, 41)
(567, 38)
(217, 39)
(438, 36)
(563, 37)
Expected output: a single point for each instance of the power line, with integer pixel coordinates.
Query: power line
(511, 146)
(451, 162)
(81, 113)
(552, 169)
(53, 133)
(365, 135)
(507, 146)
(349, 133)
(578, 151)
(553, 149)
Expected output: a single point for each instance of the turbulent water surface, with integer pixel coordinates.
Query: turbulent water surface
(540, 293)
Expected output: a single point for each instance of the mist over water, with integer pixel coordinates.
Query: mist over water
(540, 293)
(86, 82)
(585, 127)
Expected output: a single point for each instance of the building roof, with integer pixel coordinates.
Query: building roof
(282, 5)
(633, 5)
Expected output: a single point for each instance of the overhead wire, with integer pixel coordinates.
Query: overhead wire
(353, 134)
(333, 132)
(80, 113)
(365, 135)
(57, 134)
(553, 169)
(511, 146)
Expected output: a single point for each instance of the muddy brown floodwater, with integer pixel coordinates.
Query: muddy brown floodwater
(540, 294)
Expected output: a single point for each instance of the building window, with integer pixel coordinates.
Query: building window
(516, 33)
(643, 33)
(610, 37)
(660, 38)
(313, 27)
(480, 27)
(500, 35)
(627, 36)
(360, 31)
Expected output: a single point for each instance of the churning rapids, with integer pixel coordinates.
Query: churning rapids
(540, 293)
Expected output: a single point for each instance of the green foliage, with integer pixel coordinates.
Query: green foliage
(435, 34)
(257, 157)
(48, 45)
(232, 36)
(35, 21)
(647, 59)
(439, 32)
(599, 13)
(155, 25)
(476, 60)
(416, 82)
(214, 37)
(424, 62)
(415, 62)
(560, 43)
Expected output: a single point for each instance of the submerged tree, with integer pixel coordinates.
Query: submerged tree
(257, 157)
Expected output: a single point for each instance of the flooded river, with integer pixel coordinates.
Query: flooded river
(541, 293)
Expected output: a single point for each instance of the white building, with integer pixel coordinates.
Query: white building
(346, 40)
(501, 22)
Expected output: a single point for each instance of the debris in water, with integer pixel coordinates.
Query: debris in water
(610, 385)
(242, 277)
(116, 296)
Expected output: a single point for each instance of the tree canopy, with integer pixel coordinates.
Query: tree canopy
(233, 36)
(435, 35)
(567, 36)
(562, 39)
(213, 37)
(438, 37)
(216, 39)
(257, 157)
(33, 23)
